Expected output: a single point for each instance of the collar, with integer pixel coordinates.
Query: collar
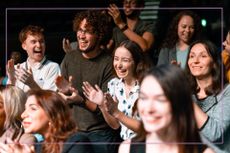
(37, 65)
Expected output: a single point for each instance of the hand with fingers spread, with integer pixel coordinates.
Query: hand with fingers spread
(111, 105)
(25, 76)
(93, 94)
(66, 45)
(116, 15)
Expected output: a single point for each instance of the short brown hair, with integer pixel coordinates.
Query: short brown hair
(30, 30)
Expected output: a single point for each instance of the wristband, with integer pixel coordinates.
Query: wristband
(124, 28)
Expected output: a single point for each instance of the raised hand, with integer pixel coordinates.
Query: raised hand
(116, 15)
(95, 95)
(10, 71)
(111, 105)
(66, 45)
(67, 91)
(25, 76)
(63, 85)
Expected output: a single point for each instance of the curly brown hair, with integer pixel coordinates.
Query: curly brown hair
(172, 37)
(98, 21)
(62, 125)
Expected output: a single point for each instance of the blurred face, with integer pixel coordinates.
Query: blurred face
(185, 29)
(123, 63)
(153, 106)
(34, 45)
(2, 114)
(199, 61)
(226, 43)
(34, 117)
(129, 7)
(87, 40)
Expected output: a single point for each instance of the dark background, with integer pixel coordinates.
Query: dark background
(56, 18)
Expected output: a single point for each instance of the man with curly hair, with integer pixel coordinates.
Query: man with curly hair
(90, 62)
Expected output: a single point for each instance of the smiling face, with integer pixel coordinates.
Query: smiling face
(35, 120)
(34, 45)
(153, 106)
(199, 61)
(123, 63)
(87, 39)
(185, 28)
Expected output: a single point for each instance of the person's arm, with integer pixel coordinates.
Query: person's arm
(124, 146)
(200, 116)
(216, 124)
(145, 41)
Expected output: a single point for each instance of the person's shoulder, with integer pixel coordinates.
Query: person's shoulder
(52, 63)
(125, 146)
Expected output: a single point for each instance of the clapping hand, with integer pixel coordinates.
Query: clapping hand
(66, 45)
(95, 95)
(15, 147)
(111, 105)
(67, 91)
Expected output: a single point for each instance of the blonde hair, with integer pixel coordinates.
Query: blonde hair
(14, 104)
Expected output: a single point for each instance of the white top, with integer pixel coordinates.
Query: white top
(44, 74)
(116, 88)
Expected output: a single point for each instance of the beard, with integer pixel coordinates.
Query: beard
(89, 49)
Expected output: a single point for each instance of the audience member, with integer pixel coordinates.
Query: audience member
(47, 113)
(37, 72)
(211, 99)
(13, 102)
(226, 56)
(166, 110)
(128, 64)
(89, 63)
(183, 30)
(132, 27)
(2, 112)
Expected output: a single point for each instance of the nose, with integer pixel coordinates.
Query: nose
(24, 114)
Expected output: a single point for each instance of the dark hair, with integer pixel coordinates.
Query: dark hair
(176, 88)
(172, 37)
(215, 70)
(98, 21)
(137, 55)
(30, 30)
(62, 124)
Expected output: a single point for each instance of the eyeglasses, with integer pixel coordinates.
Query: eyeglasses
(85, 32)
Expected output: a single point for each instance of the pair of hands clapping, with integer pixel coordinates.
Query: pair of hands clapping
(19, 73)
(96, 95)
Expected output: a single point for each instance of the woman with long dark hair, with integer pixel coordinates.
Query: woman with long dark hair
(166, 110)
